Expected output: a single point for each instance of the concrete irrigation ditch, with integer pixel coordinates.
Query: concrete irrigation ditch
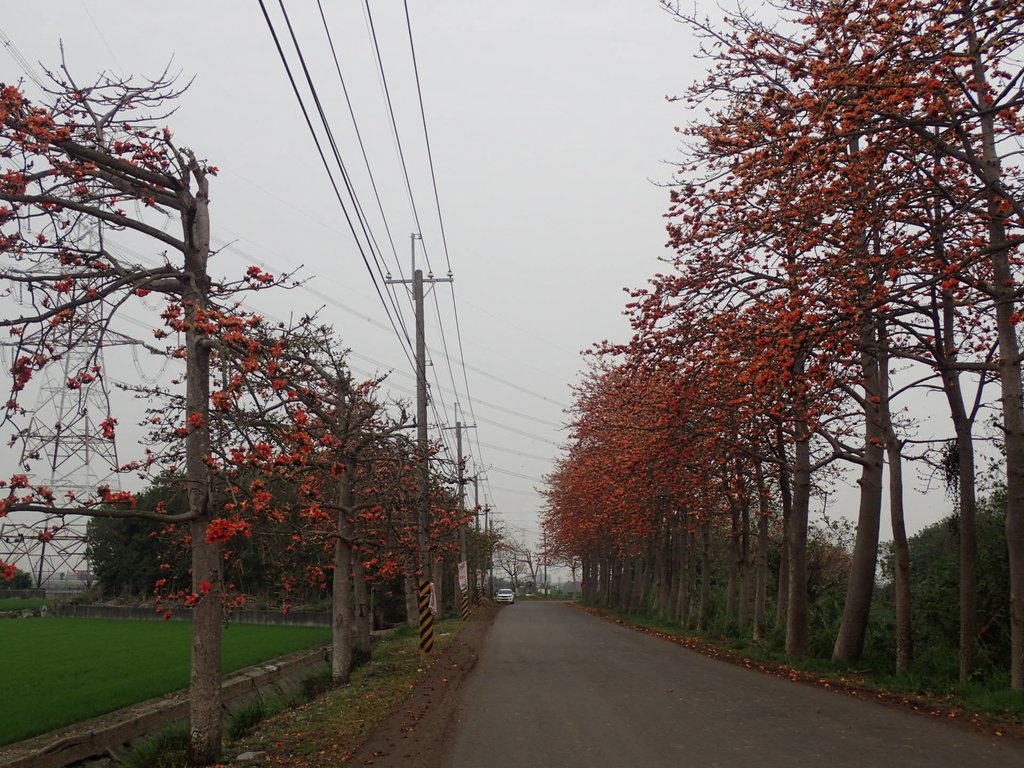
(109, 733)
(113, 731)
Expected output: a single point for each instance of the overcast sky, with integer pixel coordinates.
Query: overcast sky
(549, 131)
(550, 134)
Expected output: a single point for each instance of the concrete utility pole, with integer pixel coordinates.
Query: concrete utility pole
(421, 421)
(481, 549)
(423, 505)
(489, 525)
(461, 475)
(476, 500)
(544, 562)
(460, 469)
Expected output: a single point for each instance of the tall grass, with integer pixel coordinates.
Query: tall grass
(60, 671)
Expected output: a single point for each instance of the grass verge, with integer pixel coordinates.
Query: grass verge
(62, 671)
(326, 731)
(23, 604)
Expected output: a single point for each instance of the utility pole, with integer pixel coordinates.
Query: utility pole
(478, 572)
(421, 421)
(476, 500)
(423, 505)
(489, 525)
(460, 469)
(464, 588)
(544, 554)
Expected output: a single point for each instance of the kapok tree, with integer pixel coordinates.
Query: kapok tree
(936, 86)
(957, 90)
(321, 432)
(798, 169)
(97, 155)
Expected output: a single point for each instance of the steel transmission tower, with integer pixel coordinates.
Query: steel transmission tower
(64, 447)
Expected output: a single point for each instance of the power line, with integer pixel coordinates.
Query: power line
(359, 137)
(518, 475)
(394, 124)
(440, 219)
(515, 452)
(412, 199)
(517, 491)
(367, 232)
(426, 135)
(323, 158)
(333, 301)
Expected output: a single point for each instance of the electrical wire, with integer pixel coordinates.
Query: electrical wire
(361, 216)
(359, 137)
(437, 397)
(412, 198)
(426, 135)
(394, 124)
(407, 346)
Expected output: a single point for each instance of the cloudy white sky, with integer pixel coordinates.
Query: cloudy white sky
(550, 134)
(549, 131)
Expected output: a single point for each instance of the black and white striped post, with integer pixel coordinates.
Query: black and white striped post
(426, 592)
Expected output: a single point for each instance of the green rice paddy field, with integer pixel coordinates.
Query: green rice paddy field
(59, 671)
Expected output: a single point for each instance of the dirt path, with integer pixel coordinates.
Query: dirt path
(416, 735)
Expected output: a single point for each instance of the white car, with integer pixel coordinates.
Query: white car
(505, 596)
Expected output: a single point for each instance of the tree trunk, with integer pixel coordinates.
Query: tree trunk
(743, 617)
(587, 585)
(963, 426)
(363, 617)
(796, 614)
(761, 558)
(625, 589)
(343, 614)
(648, 596)
(666, 581)
(901, 554)
(786, 499)
(849, 644)
(705, 577)
(677, 571)
(900, 546)
(967, 506)
(1004, 286)
(968, 549)
(205, 676)
(690, 587)
(605, 581)
(733, 563)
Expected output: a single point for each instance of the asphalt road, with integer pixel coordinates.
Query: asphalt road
(559, 688)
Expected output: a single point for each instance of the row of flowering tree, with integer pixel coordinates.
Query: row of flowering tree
(847, 209)
(264, 429)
